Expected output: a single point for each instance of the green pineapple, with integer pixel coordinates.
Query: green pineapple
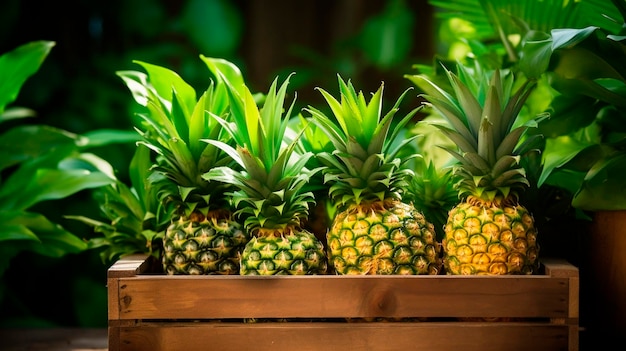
(373, 230)
(272, 196)
(202, 237)
(489, 231)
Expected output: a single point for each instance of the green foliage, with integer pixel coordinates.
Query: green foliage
(575, 51)
(17, 66)
(494, 29)
(134, 218)
(271, 186)
(365, 154)
(174, 124)
(39, 163)
(385, 38)
(587, 132)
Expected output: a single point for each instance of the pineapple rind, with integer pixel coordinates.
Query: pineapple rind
(488, 239)
(296, 253)
(206, 247)
(394, 240)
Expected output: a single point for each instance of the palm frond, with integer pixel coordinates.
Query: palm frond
(542, 15)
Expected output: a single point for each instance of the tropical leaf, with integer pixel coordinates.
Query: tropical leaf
(23, 143)
(16, 66)
(40, 163)
(603, 186)
(496, 18)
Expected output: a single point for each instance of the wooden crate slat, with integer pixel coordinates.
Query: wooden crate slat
(354, 336)
(153, 297)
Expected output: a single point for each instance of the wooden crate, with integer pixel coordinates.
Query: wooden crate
(152, 311)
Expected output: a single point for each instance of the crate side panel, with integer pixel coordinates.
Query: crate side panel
(350, 336)
(574, 297)
(163, 297)
(113, 298)
(114, 338)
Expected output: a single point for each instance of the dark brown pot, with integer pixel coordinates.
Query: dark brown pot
(608, 273)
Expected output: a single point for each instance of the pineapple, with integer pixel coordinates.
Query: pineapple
(202, 237)
(488, 231)
(373, 230)
(272, 196)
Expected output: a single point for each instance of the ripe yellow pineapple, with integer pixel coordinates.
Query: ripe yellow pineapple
(202, 237)
(373, 231)
(489, 231)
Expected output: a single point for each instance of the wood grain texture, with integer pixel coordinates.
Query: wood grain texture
(346, 336)
(157, 312)
(335, 296)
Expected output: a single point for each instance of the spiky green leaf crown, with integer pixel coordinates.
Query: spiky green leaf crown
(271, 194)
(432, 191)
(481, 113)
(175, 121)
(310, 139)
(365, 166)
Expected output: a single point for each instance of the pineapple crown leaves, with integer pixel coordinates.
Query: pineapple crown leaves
(175, 121)
(432, 192)
(481, 113)
(273, 177)
(364, 165)
(310, 139)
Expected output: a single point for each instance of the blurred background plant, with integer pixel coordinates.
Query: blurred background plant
(76, 90)
(40, 166)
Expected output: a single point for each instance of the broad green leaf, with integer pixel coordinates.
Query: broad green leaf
(56, 243)
(587, 87)
(104, 137)
(535, 55)
(51, 184)
(22, 143)
(603, 188)
(15, 232)
(567, 38)
(34, 232)
(17, 65)
(558, 152)
(20, 177)
(569, 114)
